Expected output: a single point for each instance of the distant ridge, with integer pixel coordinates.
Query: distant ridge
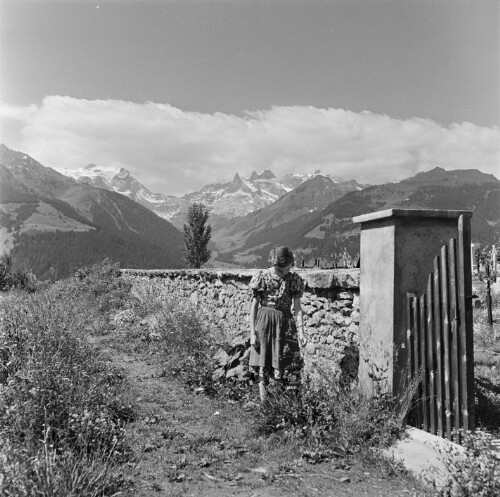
(439, 176)
(225, 200)
(329, 231)
(312, 195)
(53, 224)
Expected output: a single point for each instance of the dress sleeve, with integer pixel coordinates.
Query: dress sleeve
(258, 284)
(297, 286)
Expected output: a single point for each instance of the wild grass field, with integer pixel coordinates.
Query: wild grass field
(106, 388)
(62, 406)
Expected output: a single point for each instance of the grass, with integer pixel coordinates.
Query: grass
(487, 361)
(66, 413)
(62, 407)
(335, 419)
(332, 419)
(473, 471)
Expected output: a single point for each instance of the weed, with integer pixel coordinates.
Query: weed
(177, 332)
(333, 416)
(384, 466)
(474, 471)
(62, 407)
(101, 283)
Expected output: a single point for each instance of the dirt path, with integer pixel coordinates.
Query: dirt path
(192, 445)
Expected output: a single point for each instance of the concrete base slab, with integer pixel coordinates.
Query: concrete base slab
(422, 454)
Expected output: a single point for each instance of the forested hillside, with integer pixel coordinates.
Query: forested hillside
(52, 224)
(58, 254)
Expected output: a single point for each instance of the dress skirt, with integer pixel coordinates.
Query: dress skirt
(272, 328)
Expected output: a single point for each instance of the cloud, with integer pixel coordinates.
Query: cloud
(175, 151)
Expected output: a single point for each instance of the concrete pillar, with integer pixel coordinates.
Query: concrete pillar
(398, 247)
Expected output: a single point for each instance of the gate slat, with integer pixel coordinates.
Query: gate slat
(410, 331)
(466, 326)
(455, 353)
(446, 341)
(431, 355)
(441, 420)
(423, 357)
(418, 362)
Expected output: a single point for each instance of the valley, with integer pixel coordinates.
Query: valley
(112, 214)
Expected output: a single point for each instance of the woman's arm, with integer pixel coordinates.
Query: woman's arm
(299, 319)
(254, 341)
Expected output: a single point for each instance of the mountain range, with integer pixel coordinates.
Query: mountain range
(327, 232)
(53, 224)
(226, 201)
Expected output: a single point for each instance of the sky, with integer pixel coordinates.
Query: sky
(186, 93)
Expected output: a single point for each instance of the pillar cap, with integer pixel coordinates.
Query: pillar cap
(427, 213)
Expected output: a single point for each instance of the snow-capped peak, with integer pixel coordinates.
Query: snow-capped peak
(93, 172)
(238, 197)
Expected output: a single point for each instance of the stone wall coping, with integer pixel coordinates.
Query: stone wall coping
(393, 213)
(314, 278)
(243, 273)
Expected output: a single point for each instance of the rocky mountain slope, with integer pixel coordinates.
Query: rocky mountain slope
(311, 196)
(328, 232)
(53, 224)
(225, 200)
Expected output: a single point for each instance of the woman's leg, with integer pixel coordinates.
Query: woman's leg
(263, 382)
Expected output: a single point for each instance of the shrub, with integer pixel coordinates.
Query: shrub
(147, 296)
(102, 284)
(340, 417)
(178, 331)
(11, 277)
(474, 472)
(336, 414)
(187, 344)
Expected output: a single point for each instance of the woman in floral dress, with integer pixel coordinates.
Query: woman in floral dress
(274, 330)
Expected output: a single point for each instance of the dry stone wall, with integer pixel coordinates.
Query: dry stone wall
(330, 303)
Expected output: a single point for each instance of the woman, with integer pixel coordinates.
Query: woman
(273, 329)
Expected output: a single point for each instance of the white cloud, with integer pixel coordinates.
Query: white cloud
(173, 151)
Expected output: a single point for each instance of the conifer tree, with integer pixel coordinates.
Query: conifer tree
(197, 234)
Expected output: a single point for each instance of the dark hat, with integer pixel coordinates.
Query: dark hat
(281, 256)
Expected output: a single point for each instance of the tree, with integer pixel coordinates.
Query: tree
(197, 235)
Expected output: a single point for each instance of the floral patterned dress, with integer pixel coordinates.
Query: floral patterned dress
(274, 325)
